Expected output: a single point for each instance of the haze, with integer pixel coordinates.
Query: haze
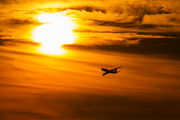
(52, 52)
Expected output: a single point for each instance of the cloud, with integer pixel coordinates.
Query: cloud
(135, 9)
(8, 1)
(71, 86)
(14, 21)
(87, 8)
(144, 46)
(113, 11)
(174, 18)
(7, 41)
(108, 20)
(35, 103)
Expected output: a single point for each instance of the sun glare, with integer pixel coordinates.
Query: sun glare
(56, 31)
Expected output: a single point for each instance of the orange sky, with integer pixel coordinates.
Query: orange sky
(70, 87)
(142, 36)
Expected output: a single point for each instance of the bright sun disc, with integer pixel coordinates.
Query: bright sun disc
(56, 31)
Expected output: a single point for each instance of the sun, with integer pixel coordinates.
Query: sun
(56, 31)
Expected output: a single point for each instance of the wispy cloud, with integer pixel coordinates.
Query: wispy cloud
(45, 87)
(26, 21)
(140, 35)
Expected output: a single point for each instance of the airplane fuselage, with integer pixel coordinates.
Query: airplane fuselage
(112, 71)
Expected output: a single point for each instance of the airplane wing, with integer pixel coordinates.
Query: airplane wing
(103, 69)
(117, 68)
(104, 73)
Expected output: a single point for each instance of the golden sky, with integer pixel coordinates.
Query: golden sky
(52, 52)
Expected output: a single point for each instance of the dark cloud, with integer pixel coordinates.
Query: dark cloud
(1, 42)
(15, 42)
(146, 46)
(15, 21)
(175, 18)
(166, 34)
(139, 11)
(8, 1)
(89, 8)
(125, 24)
(78, 8)
(132, 11)
(135, 11)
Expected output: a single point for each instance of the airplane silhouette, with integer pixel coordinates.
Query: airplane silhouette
(114, 71)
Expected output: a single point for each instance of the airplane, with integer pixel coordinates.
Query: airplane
(114, 71)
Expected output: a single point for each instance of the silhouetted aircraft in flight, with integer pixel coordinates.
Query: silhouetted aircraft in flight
(114, 71)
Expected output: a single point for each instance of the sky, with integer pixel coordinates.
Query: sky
(52, 52)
